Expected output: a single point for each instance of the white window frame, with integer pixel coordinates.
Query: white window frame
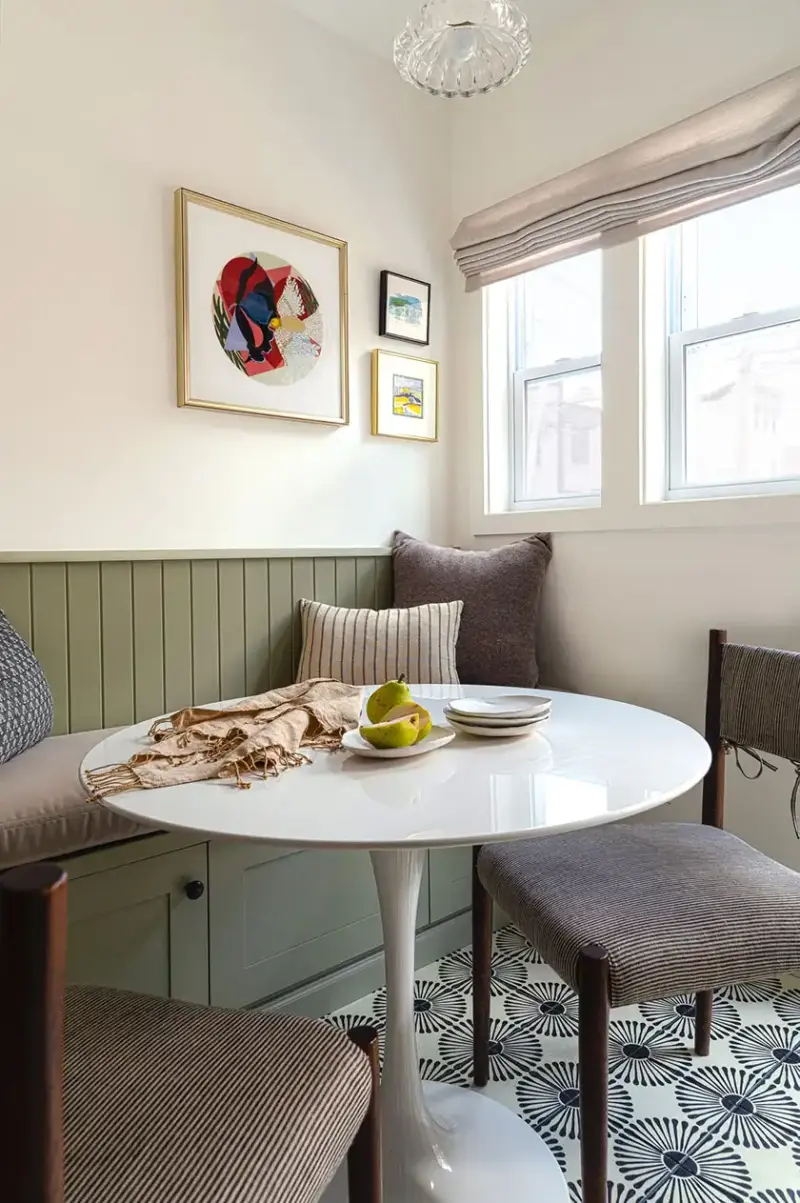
(634, 431)
(520, 379)
(677, 344)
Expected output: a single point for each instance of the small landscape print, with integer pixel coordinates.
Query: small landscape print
(407, 309)
(407, 397)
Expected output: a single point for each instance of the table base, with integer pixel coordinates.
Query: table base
(441, 1144)
(485, 1152)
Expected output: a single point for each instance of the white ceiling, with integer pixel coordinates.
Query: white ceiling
(373, 24)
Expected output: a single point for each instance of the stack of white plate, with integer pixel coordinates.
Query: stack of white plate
(498, 717)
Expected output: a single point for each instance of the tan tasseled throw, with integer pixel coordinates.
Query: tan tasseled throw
(261, 735)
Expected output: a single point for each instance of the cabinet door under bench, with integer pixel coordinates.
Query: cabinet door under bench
(281, 917)
(451, 881)
(140, 924)
(451, 885)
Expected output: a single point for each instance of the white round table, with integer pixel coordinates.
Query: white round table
(594, 762)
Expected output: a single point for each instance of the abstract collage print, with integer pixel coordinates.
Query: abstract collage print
(267, 319)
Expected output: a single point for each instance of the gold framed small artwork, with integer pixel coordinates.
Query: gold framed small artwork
(405, 396)
(262, 313)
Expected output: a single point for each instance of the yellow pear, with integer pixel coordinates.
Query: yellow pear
(400, 733)
(386, 697)
(409, 708)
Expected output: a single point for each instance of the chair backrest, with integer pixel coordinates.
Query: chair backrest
(753, 701)
(33, 941)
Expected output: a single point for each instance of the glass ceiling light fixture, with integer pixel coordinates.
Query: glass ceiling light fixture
(463, 47)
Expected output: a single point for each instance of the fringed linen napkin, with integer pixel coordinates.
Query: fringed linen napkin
(261, 735)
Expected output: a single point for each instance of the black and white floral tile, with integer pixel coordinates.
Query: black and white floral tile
(721, 1129)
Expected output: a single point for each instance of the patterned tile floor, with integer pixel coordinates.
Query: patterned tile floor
(724, 1129)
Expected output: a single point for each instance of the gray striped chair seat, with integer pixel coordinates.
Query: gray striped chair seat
(679, 907)
(174, 1103)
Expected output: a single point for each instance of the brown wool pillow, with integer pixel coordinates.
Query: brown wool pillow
(500, 589)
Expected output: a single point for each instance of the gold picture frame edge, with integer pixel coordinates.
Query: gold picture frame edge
(411, 438)
(186, 196)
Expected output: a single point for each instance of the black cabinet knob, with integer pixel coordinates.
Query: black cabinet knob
(194, 890)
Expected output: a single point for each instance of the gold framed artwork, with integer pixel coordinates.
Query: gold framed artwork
(262, 314)
(405, 396)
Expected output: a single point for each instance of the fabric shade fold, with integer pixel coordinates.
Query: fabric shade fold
(743, 147)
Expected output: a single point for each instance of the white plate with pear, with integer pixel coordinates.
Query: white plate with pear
(437, 737)
(395, 726)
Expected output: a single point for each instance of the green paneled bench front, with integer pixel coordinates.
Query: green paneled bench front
(122, 640)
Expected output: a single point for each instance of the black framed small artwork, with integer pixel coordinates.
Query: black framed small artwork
(405, 308)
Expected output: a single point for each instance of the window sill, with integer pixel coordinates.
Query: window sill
(777, 510)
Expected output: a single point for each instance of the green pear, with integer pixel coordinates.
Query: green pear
(400, 733)
(386, 697)
(407, 709)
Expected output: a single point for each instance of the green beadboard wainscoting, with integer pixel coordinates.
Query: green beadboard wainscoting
(124, 637)
(121, 640)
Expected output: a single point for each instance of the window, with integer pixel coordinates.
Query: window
(733, 370)
(544, 333)
(630, 387)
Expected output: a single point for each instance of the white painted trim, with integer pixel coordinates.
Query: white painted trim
(499, 342)
(709, 514)
(559, 367)
(658, 297)
(230, 553)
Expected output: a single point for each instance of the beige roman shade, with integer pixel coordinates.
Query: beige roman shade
(742, 147)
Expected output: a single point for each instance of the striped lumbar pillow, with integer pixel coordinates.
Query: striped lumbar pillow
(367, 647)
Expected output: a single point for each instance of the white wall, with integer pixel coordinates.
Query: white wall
(106, 106)
(626, 614)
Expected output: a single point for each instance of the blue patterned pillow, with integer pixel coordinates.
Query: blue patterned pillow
(26, 704)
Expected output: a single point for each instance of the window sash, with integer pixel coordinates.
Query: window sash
(677, 343)
(683, 250)
(521, 378)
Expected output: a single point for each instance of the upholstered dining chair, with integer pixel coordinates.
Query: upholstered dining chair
(633, 913)
(123, 1098)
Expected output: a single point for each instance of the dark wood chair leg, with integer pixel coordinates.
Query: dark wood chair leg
(593, 1010)
(481, 974)
(714, 781)
(33, 947)
(703, 1008)
(364, 1175)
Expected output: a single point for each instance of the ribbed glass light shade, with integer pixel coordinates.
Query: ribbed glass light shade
(463, 47)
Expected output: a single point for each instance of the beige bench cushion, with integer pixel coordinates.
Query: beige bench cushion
(43, 808)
